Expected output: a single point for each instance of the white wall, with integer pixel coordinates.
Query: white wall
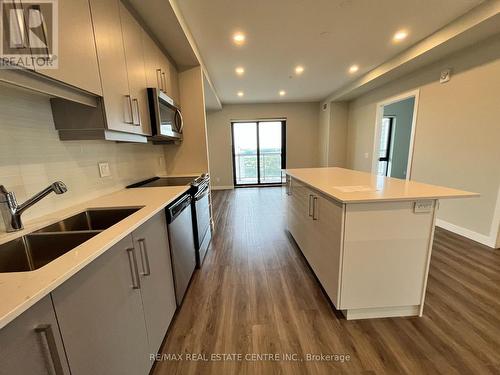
(301, 134)
(190, 156)
(32, 156)
(332, 133)
(457, 134)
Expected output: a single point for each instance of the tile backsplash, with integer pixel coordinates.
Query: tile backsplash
(32, 156)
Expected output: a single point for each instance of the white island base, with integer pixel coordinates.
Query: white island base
(371, 255)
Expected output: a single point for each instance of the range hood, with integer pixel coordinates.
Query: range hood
(78, 114)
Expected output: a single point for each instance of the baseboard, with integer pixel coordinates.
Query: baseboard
(478, 237)
(381, 312)
(228, 187)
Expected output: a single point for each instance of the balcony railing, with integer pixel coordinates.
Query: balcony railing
(246, 168)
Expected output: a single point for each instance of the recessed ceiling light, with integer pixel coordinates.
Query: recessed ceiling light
(282, 92)
(240, 70)
(240, 93)
(400, 35)
(239, 38)
(353, 68)
(299, 69)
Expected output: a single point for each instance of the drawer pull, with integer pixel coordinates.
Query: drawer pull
(134, 269)
(47, 336)
(146, 269)
(314, 215)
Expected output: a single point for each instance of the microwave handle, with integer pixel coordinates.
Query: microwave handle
(179, 120)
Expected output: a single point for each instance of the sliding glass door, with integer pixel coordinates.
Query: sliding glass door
(258, 152)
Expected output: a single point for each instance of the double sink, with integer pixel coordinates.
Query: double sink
(35, 250)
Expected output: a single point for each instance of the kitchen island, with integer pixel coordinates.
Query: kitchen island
(367, 238)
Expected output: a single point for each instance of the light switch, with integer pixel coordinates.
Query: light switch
(104, 170)
(423, 206)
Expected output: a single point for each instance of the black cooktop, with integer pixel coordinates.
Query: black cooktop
(164, 181)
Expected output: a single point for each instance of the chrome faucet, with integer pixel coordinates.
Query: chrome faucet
(11, 211)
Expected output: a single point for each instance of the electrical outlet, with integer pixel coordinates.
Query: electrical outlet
(366, 155)
(423, 206)
(104, 170)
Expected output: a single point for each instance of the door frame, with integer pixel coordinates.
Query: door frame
(283, 151)
(378, 121)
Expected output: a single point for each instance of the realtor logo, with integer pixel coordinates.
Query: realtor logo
(29, 34)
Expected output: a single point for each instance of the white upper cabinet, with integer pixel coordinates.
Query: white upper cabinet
(76, 55)
(151, 62)
(136, 72)
(118, 103)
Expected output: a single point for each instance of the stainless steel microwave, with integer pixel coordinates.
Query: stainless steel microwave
(166, 117)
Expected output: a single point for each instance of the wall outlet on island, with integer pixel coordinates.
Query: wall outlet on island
(104, 170)
(161, 162)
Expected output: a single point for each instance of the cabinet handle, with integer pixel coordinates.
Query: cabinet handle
(146, 269)
(134, 269)
(136, 102)
(47, 336)
(159, 82)
(289, 186)
(315, 200)
(311, 213)
(128, 103)
(164, 80)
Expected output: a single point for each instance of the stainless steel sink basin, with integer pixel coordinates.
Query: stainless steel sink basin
(35, 250)
(93, 219)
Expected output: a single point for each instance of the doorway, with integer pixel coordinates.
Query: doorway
(394, 136)
(259, 152)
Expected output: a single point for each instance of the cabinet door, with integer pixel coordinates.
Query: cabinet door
(165, 73)
(76, 57)
(157, 283)
(300, 224)
(136, 72)
(101, 317)
(174, 83)
(151, 62)
(325, 257)
(112, 66)
(31, 344)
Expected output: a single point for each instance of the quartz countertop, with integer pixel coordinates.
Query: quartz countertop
(21, 290)
(349, 186)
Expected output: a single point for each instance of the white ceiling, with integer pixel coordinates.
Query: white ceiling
(325, 36)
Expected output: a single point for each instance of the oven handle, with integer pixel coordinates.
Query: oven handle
(202, 193)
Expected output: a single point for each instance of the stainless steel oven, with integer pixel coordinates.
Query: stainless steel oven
(166, 116)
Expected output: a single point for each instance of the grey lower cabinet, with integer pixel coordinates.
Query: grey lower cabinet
(31, 344)
(101, 317)
(157, 282)
(115, 312)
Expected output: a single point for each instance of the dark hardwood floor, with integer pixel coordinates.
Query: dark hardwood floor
(256, 294)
